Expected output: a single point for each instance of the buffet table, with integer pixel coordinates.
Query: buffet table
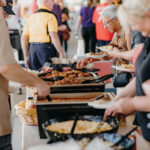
(31, 136)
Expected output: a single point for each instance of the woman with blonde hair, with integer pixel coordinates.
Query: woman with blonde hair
(136, 96)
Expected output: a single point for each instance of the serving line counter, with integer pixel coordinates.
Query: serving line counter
(30, 136)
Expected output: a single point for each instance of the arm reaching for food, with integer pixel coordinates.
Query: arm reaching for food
(124, 106)
(128, 105)
(15, 73)
(129, 91)
(123, 103)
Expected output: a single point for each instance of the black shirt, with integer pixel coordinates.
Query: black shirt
(143, 74)
(66, 11)
(136, 38)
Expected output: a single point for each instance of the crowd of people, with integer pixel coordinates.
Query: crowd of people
(123, 24)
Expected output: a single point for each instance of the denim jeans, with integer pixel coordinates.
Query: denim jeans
(5, 142)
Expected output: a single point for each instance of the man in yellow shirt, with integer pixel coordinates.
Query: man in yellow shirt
(40, 40)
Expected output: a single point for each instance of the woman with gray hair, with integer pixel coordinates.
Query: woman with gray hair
(111, 23)
(133, 39)
(136, 96)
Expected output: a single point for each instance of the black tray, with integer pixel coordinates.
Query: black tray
(127, 144)
(78, 88)
(56, 137)
(47, 112)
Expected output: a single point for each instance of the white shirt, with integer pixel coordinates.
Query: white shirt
(13, 20)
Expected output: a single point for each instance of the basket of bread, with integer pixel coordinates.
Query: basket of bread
(26, 111)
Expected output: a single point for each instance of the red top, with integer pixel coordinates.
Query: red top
(34, 7)
(136, 56)
(101, 32)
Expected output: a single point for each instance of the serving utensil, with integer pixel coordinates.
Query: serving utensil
(98, 97)
(124, 137)
(48, 98)
(74, 124)
(101, 79)
(57, 78)
(88, 70)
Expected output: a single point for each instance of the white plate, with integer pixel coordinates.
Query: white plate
(95, 56)
(100, 105)
(120, 68)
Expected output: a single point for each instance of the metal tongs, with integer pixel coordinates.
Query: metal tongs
(99, 97)
(101, 79)
(74, 124)
(88, 70)
(57, 78)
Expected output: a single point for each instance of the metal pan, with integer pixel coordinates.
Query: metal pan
(127, 144)
(56, 137)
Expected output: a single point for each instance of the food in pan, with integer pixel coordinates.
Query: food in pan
(67, 74)
(67, 81)
(82, 127)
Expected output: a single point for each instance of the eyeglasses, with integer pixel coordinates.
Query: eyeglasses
(107, 23)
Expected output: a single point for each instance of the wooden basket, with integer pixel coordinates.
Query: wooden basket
(27, 116)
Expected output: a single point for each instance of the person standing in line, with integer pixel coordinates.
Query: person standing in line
(102, 35)
(57, 11)
(40, 40)
(66, 31)
(10, 70)
(14, 26)
(88, 28)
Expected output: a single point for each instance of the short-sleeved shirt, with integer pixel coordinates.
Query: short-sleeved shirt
(136, 38)
(143, 74)
(101, 32)
(38, 25)
(6, 57)
(87, 13)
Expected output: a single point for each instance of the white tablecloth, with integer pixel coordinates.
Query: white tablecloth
(30, 137)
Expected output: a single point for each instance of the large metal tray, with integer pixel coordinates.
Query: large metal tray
(74, 98)
(56, 137)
